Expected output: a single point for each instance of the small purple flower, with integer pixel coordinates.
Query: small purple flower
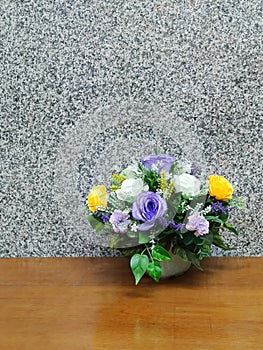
(120, 221)
(198, 224)
(218, 208)
(176, 227)
(103, 216)
(161, 161)
(148, 207)
(195, 170)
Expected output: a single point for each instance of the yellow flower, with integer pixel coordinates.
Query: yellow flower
(97, 198)
(220, 187)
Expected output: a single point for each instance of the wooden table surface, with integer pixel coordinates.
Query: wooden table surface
(92, 303)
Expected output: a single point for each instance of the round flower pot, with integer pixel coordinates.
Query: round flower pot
(174, 267)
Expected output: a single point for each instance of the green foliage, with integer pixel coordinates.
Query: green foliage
(187, 255)
(230, 228)
(194, 260)
(214, 218)
(180, 252)
(130, 251)
(150, 177)
(188, 238)
(224, 217)
(238, 202)
(218, 241)
(204, 251)
(161, 254)
(96, 224)
(173, 168)
(208, 239)
(139, 264)
(214, 227)
(154, 270)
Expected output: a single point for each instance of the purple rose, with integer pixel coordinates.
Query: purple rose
(158, 161)
(198, 224)
(148, 207)
(120, 221)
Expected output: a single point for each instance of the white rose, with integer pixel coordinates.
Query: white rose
(184, 167)
(187, 184)
(132, 171)
(130, 188)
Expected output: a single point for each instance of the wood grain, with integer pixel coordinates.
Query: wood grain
(92, 303)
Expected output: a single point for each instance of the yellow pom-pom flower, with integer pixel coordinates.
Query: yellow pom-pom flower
(220, 187)
(97, 198)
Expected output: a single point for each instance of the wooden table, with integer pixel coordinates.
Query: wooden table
(92, 303)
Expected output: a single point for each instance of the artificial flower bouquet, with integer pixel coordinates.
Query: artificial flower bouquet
(161, 206)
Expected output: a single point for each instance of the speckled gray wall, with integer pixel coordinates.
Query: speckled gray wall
(82, 80)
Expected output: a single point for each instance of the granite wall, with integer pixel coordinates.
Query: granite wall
(86, 85)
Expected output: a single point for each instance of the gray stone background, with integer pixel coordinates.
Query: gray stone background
(82, 81)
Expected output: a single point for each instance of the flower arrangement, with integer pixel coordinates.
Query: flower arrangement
(160, 206)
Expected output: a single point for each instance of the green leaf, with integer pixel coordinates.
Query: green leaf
(230, 228)
(204, 252)
(214, 218)
(173, 167)
(194, 259)
(224, 217)
(161, 254)
(218, 241)
(143, 238)
(180, 252)
(96, 224)
(199, 241)
(154, 270)
(187, 255)
(92, 220)
(188, 238)
(138, 264)
(208, 239)
(214, 227)
(130, 251)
